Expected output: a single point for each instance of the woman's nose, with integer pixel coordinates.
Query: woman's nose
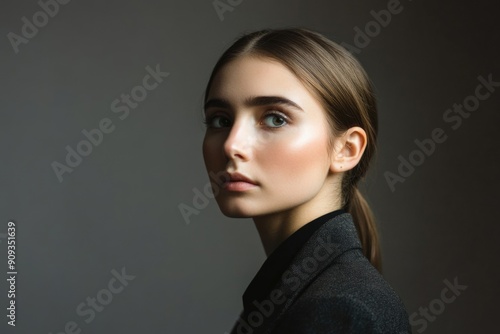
(240, 141)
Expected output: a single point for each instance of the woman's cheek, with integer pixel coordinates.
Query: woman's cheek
(212, 149)
(299, 160)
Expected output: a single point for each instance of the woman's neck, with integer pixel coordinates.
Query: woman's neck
(276, 227)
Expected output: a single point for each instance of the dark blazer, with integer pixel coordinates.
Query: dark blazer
(330, 287)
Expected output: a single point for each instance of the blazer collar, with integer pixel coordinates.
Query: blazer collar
(332, 239)
(281, 258)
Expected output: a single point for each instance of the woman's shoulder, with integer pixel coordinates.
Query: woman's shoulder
(349, 296)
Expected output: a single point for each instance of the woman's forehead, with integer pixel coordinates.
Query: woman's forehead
(254, 76)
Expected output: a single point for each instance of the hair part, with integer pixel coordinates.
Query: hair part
(342, 86)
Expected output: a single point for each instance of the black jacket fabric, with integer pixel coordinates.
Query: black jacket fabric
(328, 287)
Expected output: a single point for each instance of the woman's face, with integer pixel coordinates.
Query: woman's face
(265, 124)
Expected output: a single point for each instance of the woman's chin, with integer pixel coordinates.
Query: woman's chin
(235, 210)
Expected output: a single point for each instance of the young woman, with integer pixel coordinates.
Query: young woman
(291, 128)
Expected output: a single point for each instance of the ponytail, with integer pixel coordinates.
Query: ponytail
(365, 225)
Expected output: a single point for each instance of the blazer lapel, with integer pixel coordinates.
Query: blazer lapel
(333, 238)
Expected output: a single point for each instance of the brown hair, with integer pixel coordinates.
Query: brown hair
(346, 93)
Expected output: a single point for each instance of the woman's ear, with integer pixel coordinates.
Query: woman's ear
(348, 149)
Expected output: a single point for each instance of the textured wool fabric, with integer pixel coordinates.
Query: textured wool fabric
(278, 261)
(329, 287)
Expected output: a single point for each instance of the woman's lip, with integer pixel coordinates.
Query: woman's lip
(238, 185)
(238, 177)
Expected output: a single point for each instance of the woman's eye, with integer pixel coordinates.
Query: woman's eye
(273, 120)
(217, 122)
(276, 120)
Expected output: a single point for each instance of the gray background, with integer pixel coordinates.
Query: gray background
(119, 207)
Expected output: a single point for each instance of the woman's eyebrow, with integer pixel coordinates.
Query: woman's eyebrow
(253, 101)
